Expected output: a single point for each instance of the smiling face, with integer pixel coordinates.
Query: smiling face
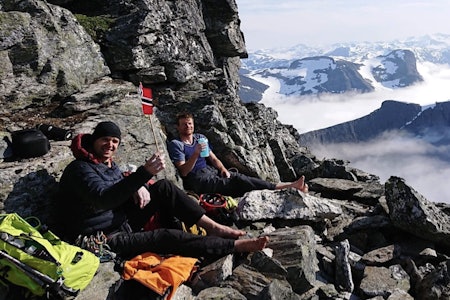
(105, 147)
(185, 127)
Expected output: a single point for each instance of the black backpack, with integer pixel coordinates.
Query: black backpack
(29, 143)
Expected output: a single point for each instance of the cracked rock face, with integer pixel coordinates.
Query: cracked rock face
(37, 63)
(411, 212)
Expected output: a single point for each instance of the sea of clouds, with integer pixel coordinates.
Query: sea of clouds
(417, 161)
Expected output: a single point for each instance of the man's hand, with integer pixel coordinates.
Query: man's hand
(156, 163)
(141, 197)
(199, 148)
(225, 173)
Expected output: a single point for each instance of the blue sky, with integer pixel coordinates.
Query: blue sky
(283, 23)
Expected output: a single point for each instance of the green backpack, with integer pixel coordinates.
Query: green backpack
(39, 261)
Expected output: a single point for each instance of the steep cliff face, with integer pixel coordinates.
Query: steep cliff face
(188, 52)
(433, 124)
(397, 69)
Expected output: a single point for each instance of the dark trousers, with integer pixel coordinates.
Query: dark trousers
(171, 203)
(208, 180)
(169, 241)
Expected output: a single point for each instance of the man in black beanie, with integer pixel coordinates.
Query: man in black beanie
(95, 196)
(104, 141)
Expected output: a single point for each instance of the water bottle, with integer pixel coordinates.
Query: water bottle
(205, 152)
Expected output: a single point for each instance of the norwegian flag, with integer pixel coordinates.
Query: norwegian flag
(146, 98)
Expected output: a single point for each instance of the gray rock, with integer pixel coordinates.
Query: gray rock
(344, 280)
(214, 293)
(411, 212)
(45, 49)
(284, 204)
(381, 281)
(381, 256)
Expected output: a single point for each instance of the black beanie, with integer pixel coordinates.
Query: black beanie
(106, 128)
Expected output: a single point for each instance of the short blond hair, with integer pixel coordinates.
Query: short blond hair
(184, 115)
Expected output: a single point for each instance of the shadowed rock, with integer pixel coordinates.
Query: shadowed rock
(411, 212)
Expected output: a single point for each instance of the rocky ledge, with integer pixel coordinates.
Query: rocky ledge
(323, 248)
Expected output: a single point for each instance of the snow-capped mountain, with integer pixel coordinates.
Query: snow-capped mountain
(360, 67)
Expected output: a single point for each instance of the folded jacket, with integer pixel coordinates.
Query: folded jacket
(162, 275)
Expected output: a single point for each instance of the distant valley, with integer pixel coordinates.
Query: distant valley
(394, 136)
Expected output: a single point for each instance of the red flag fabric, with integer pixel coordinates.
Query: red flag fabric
(146, 98)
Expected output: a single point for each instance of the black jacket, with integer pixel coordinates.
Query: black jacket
(92, 195)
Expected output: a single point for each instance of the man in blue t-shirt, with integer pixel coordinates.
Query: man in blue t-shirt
(208, 174)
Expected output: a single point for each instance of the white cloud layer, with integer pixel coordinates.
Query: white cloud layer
(417, 162)
(311, 113)
(392, 155)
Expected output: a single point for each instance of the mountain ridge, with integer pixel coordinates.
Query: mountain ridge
(392, 64)
(435, 48)
(392, 115)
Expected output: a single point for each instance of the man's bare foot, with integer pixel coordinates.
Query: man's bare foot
(305, 188)
(251, 245)
(300, 184)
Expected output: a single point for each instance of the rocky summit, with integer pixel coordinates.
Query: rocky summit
(71, 64)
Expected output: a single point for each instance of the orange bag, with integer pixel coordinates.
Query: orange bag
(162, 275)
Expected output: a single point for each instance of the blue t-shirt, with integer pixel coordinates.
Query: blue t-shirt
(180, 151)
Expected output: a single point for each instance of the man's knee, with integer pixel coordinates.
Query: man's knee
(168, 234)
(167, 188)
(164, 184)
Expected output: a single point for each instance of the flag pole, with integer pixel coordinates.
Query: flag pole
(153, 130)
(146, 96)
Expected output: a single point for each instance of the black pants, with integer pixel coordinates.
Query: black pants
(172, 204)
(208, 180)
(169, 241)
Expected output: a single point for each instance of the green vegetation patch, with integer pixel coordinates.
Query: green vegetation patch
(95, 26)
